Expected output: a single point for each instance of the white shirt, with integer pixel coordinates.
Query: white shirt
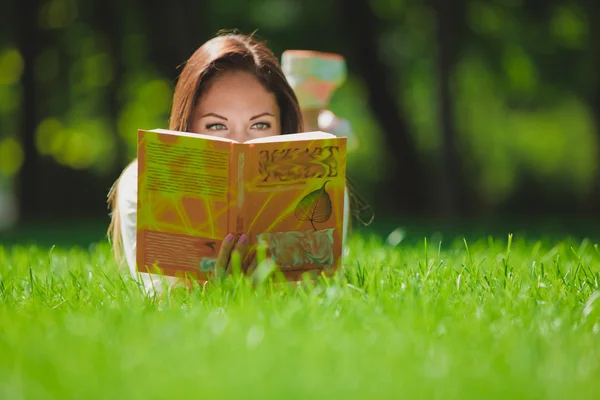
(127, 208)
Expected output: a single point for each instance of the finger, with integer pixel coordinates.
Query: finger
(224, 254)
(241, 248)
(247, 259)
(250, 257)
(260, 254)
(252, 267)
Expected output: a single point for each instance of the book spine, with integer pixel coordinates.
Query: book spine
(241, 193)
(236, 191)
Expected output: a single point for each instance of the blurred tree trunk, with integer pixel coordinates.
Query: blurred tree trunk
(449, 174)
(405, 186)
(592, 9)
(186, 31)
(28, 38)
(108, 22)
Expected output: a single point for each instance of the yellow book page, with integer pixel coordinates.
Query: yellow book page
(294, 202)
(183, 203)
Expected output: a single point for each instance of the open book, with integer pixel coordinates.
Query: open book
(284, 191)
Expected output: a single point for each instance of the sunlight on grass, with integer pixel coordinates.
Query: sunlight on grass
(492, 318)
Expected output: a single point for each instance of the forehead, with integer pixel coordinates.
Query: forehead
(236, 91)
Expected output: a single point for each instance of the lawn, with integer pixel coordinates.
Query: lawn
(494, 317)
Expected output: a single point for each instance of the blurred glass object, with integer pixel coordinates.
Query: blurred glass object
(315, 76)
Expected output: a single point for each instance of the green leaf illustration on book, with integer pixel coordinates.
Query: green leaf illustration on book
(314, 207)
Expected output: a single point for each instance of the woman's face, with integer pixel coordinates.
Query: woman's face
(236, 105)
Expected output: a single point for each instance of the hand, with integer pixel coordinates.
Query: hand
(224, 264)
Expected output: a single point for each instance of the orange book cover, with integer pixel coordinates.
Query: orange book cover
(284, 191)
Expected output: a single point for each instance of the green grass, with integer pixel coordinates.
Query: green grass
(479, 319)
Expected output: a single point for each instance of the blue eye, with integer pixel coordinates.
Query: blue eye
(216, 127)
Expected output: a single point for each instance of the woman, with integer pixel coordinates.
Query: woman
(232, 86)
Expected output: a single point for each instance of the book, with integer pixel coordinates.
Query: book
(285, 191)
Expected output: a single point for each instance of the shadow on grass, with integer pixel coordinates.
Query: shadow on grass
(85, 232)
(56, 233)
(414, 231)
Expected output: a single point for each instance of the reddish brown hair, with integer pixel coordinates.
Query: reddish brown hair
(233, 52)
(225, 52)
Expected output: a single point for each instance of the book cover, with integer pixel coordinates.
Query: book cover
(284, 191)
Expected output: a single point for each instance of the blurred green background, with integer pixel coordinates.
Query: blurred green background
(476, 113)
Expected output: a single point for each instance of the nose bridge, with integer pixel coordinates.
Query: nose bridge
(237, 132)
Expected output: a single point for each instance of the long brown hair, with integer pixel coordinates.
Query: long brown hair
(225, 52)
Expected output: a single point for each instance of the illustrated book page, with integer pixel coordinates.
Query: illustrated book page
(285, 191)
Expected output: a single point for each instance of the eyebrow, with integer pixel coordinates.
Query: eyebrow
(214, 115)
(261, 115)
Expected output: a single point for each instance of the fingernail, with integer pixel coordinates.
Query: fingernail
(229, 238)
(243, 239)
